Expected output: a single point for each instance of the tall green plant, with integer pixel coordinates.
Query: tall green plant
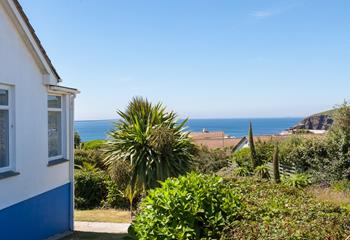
(339, 143)
(252, 147)
(152, 141)
(276, 166)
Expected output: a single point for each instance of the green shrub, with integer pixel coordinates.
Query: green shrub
(264, 150)
(94, 144)
(115, 197)
(120, 174)
(241, 171)
(262, 171)
(90, 188)
(210, 160)
(190, 207)
(341, 186)
(297, 180)
(275, 211)
(242, 158)
(94, 157)
(77, 140)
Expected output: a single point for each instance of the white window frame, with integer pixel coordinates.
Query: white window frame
(11, 130)
(63, 131)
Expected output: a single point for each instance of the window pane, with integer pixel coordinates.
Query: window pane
(4, 138)
(54, 101)
(4, 97)
(55, 134)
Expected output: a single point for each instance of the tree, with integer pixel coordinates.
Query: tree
(77, 139)
(339, 143)
(252, 147)
(152, 141)
(275, 162)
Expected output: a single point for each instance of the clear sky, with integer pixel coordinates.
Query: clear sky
(201, 58)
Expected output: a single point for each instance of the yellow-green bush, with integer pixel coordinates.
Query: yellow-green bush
(190, 207)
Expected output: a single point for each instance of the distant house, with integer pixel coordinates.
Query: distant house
(214, 140)
(36, 135)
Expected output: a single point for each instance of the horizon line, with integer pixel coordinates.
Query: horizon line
(199, 118)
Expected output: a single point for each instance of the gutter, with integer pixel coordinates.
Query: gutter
(63, 90)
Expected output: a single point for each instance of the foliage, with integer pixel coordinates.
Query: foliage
(264, 150)
(152, 141)
(191, 207)
(77, 140)
(280, 212)
(252, 147)
(210, 160)
(90, 188)
(276, 166)
(297, 180)
(341, 186)
(94, 157)
(88, 167)
(131, 193)
(242, 158)
(120, 173)
(115, 197)
(94, 144)
(262, 171)
(305, 153)
(339, 143)
(241, 171)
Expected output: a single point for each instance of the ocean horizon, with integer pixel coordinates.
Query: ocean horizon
(234, 127)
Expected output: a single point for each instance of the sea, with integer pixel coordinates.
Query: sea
(235, 127)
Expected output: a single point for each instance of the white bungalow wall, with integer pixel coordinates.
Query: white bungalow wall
(19, 70)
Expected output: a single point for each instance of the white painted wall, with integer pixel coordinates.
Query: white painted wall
(18, 69)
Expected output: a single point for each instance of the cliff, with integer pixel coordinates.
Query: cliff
(320, 121)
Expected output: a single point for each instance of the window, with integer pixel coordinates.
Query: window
(55, 126)
(5, 129)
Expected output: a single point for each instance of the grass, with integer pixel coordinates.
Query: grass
(329, 195)
(102, 215)
(94, 236)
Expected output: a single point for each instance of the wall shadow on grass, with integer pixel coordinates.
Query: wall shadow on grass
(94, 236)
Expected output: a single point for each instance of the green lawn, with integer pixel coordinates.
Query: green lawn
(102, 215)
(94, 236)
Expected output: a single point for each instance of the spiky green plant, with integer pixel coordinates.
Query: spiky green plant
(252, 147)
(241, 171)
(262, 171)
(152, 141)
(275, 163)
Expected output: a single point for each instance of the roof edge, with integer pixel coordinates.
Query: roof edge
(36, 39)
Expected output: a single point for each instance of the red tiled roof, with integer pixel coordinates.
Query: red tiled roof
(214, 140)
(206, 135)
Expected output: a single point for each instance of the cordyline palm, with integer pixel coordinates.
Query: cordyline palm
(151, 141)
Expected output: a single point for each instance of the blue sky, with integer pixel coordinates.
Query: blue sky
(201, 58)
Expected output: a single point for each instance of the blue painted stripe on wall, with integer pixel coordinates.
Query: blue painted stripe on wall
(37, 218)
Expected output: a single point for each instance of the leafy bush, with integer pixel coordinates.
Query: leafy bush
(264, 150)
(241, 171)
(94, 157)
(120, 173)
(94, 144)
(262, 171)
(90, 188)
(77, 140)
(191, 207)
(242, 158)
(275, 211)
(341, 186)
(115, 197)
(297, 180)
(210, 160)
